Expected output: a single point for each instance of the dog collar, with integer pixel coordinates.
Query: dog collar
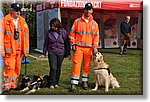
(104, 68)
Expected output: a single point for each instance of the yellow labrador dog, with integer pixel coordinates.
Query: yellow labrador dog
(102, 73)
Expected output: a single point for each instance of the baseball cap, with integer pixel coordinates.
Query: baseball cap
(16, 6)
(88, 6)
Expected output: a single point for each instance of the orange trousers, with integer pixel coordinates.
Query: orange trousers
(81, 53)
(12, 69)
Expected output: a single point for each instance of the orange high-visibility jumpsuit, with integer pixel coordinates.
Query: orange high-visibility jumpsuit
(86, 37)
(1, 37)
(14, 49)
(1, 52)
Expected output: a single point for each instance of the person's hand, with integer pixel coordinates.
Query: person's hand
(69, 57)
(73, 47)
(42, 56)
(128, 34)
(95, 50)
(26, 55)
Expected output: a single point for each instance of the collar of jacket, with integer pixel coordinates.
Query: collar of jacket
(9, 20)
(61, 30)
(83, 17)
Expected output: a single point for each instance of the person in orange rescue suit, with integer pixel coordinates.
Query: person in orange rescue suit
(16, 44)
(1, 50)
(1, 36)
(84, 38)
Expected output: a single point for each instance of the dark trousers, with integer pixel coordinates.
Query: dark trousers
(55, 62)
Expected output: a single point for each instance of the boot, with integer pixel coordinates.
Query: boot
(5, 90)
(121, 50)
(73, 88)
(85, 85)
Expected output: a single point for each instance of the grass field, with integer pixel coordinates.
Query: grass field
(128, 69)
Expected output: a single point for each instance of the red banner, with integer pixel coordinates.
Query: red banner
(79, 3)
(97, 4)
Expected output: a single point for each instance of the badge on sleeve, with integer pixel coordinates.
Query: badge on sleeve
(93, 27)
(25, 25)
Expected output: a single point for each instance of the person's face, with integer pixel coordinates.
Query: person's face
(54, 27)
(87, 12)
(15, 13)
(128, 19)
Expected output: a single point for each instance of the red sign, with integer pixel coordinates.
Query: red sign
(97, 4)
(79, 3)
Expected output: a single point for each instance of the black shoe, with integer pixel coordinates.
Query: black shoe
(17, 88)
(5, 90)
(124, 52)
(85, 85)
(73, 88)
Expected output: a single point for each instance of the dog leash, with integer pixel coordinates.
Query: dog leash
(25, 67)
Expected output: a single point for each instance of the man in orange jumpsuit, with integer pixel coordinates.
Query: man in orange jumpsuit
(1, 36)
(84, 38)
(16, 44)
(1, 49)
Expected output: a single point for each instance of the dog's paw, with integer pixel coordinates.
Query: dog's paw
(117, 86)
(25, 89)
(21, 91)
(31, 91)
(106, 90)
(94, 89)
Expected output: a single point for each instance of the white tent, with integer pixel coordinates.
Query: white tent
(43, 19)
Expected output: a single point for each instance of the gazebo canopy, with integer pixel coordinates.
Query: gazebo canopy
(98, 4)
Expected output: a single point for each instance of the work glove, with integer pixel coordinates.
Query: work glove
(26, 55)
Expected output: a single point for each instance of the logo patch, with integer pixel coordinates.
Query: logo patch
(93, 27)
(25, 25)
(17, 5)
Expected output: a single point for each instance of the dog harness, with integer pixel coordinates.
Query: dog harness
(104, 68)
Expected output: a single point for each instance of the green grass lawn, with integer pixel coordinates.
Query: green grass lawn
(128, 69)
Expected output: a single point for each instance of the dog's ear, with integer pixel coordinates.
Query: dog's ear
(28, 79)
(40, 78)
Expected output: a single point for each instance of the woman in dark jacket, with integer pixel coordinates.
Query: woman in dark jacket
(57, 45)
